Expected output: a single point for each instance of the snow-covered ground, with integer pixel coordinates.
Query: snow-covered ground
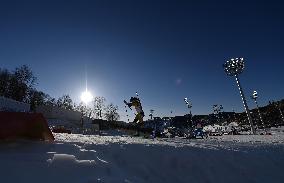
(76, 158)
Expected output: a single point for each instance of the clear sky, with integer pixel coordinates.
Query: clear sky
(165, 50)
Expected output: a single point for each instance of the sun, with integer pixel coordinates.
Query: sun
(86, 97)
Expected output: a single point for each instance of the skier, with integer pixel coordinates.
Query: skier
(134, 101)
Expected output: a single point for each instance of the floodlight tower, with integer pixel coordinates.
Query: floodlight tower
(151, 113)
(234, 67)
(254, 97)
(189, 106)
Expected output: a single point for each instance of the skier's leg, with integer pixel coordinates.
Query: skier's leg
(140, 118)
(136, 118)
(136, 126)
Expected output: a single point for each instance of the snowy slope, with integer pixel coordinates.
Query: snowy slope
(88, 159)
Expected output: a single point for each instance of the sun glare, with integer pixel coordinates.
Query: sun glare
(86, 97)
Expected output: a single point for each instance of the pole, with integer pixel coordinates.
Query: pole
(245, 104)
(191, 121)
(262, 122)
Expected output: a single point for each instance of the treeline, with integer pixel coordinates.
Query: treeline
(272, 115)
(20, 85)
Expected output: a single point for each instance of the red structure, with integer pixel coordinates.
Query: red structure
(18, 125)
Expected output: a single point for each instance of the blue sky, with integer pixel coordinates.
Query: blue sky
(165, 50)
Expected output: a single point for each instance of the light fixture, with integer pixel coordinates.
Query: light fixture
(234, 67)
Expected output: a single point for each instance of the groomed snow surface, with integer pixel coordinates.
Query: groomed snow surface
(75, 158)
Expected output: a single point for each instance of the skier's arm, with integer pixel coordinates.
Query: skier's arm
(129, 104)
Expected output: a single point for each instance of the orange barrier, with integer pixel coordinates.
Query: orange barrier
(16, 125)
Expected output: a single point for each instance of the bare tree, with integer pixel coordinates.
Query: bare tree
(85, 110)
(99, 105)
(111, 113)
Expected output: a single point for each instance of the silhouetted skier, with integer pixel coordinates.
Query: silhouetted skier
(135, 102)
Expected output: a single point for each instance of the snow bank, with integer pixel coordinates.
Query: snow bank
(66, 159)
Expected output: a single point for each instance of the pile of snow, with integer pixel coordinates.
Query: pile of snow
(120, 158)
(215, 128)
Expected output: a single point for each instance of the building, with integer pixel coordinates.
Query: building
(69, 119)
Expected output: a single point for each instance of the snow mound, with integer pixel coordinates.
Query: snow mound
(66, 159)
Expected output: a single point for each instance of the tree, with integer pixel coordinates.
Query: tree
(17, 90)
(37, 98)
(86, 111)
(111, 113)
(5, 76)
(22, 83)
(99, 104)
(82, 108)
(25, 75)
(65, 102)
(50, 101)
(18, 84)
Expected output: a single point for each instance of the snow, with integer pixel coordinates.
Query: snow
(120, 158)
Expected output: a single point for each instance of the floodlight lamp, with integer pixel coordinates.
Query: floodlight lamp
(234, 66)
(254, 95)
